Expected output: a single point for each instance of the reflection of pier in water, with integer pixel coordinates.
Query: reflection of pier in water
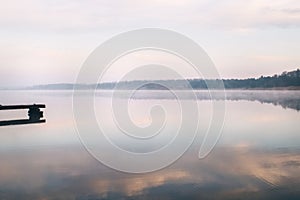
(34, 114)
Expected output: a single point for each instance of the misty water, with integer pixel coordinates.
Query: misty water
(256, 157)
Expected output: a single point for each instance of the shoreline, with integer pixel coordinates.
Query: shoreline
(290, 88)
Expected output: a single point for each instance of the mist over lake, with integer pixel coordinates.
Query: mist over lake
(257, 156)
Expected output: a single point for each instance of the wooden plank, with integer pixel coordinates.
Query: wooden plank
(14, 107)
(20, 122)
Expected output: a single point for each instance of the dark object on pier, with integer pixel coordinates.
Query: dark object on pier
(34, 114)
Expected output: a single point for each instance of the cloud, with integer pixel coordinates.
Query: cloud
(58, 35)
(87, 15)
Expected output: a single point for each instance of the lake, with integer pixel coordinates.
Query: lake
(256, 157)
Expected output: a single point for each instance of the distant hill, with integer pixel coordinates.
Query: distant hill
(286, 80)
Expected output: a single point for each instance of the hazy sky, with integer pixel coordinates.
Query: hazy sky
(47, 41)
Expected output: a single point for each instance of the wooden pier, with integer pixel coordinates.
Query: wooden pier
(34, 114)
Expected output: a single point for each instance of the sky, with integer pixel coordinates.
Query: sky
(45, 42)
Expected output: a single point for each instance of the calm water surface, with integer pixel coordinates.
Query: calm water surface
(257, 156)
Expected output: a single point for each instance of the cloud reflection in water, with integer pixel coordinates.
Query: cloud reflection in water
(70, 173)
